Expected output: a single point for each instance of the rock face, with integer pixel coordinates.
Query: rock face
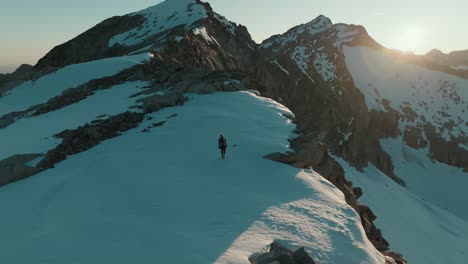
(91, 45)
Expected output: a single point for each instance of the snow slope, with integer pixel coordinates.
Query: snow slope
(167, 197)
(443, 185)
(419, 229)
(40, 91)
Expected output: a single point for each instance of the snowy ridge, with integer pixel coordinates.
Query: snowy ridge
(216, 210)
(434, 97)
(162, 17)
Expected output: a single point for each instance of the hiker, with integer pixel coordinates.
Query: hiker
(222, 145)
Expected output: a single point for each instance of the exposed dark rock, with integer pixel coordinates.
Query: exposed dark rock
(92, 44)
(282, 255)
(148, 129)
(358, 192)
(288, 158)
(14, 169)
(157, 102)
(88, 136)
(301, 256)
(447, 152)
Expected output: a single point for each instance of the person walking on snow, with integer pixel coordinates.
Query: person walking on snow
(222, 145)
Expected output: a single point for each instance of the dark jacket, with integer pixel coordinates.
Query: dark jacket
(222, 142)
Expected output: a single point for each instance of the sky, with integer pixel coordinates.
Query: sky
(30, 28)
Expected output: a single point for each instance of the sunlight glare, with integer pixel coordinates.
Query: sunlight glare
(410, 39)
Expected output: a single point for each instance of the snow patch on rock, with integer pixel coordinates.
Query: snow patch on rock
(227, 24)
(302, 59)
(202, 32)
(324, 67)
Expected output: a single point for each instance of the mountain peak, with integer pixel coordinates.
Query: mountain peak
(161, 17)
(321, 20)
(435, 52)
(319, 24)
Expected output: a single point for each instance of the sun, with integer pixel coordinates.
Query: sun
(410, 39)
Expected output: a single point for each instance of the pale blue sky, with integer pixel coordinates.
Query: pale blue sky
(30, 28)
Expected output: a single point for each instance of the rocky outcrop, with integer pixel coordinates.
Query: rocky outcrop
(156, 102)
(14, 169)
(88, 136)
(448, 152)
(282, 255)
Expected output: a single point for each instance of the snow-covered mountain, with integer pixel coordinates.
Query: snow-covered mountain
(116, 134)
